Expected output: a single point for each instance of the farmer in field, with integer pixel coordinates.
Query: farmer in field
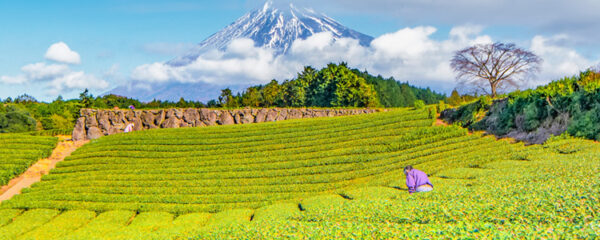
(417, 180)
(129, 128)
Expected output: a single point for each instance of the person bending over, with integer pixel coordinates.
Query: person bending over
(417, 180)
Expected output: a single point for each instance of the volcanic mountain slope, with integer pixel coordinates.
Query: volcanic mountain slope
(274, 26)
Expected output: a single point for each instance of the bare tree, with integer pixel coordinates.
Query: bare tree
(495, 65)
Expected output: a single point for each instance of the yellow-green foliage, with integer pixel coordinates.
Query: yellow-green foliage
(143, 226)
(7, 215)
(374, 192)
(104, 224)
(463, 173)
(550, 195)
(319, 202)
(230, 217)
(183, 226)
(26, 222)
(61, 225)
(19, 151)
(320, 180)
(245, 166)
(277, 211)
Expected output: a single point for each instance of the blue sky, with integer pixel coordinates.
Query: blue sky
(113, 37)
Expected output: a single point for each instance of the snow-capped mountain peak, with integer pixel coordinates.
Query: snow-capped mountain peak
(276, 25)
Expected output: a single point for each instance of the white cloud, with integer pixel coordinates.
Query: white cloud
(20, 79)
(59, 78)
(154, 72)
(241, 62)
(410, 54)
(42, 71)
(60, 52)
(75, 80)
(558, 60)
(408, 43)
(579, 18)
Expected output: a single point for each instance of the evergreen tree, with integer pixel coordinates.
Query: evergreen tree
(85, 99)
(454, 98)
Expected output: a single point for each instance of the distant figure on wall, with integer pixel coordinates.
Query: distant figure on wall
(417, 180)
(129, 128)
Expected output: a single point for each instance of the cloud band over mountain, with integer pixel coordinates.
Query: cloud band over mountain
(410, 54)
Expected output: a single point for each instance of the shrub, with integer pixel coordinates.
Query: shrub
(532, 119)
(577, 97)
(431, 112)
(15, 119)
(419, 104)
(585, 124)
(441, 106)
(468, 114)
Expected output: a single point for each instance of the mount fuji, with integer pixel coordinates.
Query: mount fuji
(274, 26)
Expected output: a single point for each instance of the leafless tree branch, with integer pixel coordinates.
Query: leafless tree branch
(497, 65)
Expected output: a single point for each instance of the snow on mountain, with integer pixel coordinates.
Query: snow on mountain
(274, 27)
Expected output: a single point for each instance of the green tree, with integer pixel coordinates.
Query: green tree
(181, 103)
(419, 104)
(454, 98)
(271, 94)
(60, 122)
(85, 98)
(25, 99)
(225, 96)
(252, 97)
(16, 119)
(294, 93)
(212, 104)
(352, 90)
(226, 99)
(322, 88)
(337, 85)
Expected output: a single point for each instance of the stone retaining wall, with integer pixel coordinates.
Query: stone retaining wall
(96, 123)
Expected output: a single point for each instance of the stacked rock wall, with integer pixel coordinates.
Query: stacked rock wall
(96, 123)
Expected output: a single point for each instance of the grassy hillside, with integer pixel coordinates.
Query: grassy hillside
(217, 168)
(19, 151)
(313, 178)
(569, 105)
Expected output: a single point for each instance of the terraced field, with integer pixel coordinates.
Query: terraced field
(313, 178)
(19, 151)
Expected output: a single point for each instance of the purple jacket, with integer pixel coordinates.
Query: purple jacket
(416, 178)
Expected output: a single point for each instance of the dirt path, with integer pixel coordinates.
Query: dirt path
(439, 122)
(42, 167)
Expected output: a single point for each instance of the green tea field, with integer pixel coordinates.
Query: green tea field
(322, 178)
(19, 151)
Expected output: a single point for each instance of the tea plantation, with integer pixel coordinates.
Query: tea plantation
(314, 178)
(19, 151)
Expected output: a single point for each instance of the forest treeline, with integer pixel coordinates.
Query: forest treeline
(335, 85)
